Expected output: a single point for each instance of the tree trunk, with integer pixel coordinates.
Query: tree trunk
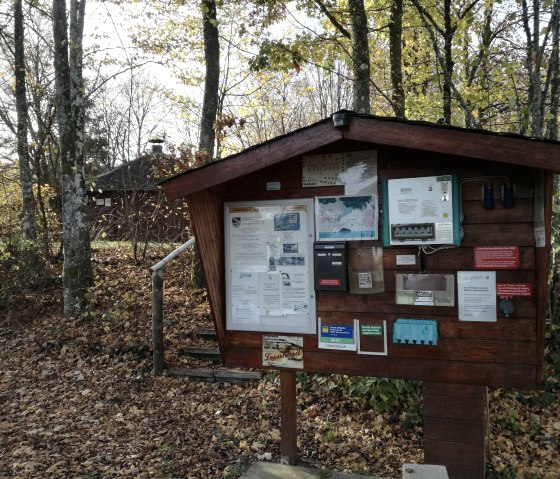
(28, 216)
(395, 52)
(360, 56)
(75, 277)
(552, 123)
(449, 31)
(533, 61)
(77, 12)
(212, 79)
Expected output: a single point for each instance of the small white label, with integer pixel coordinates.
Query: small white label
(406, 260)
(273, 186)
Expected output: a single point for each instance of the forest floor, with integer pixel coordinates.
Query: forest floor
(78, 400)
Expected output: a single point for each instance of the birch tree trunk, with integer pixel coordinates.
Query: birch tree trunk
(77, 94)
(28, 216)
(76, 272)
(360, 56)
(212, 79)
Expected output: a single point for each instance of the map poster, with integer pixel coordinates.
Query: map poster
(342, 218)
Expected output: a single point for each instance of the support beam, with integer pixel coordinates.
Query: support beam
(455, 422)
(288, 415)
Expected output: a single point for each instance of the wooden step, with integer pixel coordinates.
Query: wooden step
(203, 353)
(236, 376)
(204, 374)
(206, 333)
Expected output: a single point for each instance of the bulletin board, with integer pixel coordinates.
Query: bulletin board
(269, 270)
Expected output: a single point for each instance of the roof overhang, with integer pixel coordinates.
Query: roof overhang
(429, 137)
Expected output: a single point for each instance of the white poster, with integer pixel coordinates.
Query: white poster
(355, 170)
(477, 295)
(244, 297)
(361, 173)
(269, 275)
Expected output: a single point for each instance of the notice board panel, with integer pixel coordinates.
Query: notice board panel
(269, 270)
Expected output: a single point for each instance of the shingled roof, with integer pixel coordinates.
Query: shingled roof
(133, 176)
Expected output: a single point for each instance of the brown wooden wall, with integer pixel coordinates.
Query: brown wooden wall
(506, 353)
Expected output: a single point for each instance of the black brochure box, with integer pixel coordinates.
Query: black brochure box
(330, 266)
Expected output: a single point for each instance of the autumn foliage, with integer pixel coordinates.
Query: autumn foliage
(77, 398)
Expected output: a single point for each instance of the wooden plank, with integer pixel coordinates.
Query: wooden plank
(454, 425)
(203, 374)
(519, 234)
(219, 375)
(396, 162)
(460, 372)
(542, 274)
(466, 472)
(459, 142)
(453, 430)
(288, 417)
(452, 453)
(203, 353)
(206, 333)
(474, 213)
(207, 219)
(453, 390)
(381, 303)
(524, 188)
(522, 330)
(464, 408)
(455, 259)
(236, 376)
(489, 351)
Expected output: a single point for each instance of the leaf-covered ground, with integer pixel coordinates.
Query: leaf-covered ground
(77, 399)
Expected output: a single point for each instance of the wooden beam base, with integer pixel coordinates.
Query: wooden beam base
(455, 423)
(288, 417)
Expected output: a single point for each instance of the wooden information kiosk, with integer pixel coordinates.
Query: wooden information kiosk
(378, 247)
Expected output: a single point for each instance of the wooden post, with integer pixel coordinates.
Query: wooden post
(288, 415)
(455, 423)
(157, 321)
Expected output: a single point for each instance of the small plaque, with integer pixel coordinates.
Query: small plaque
(372, 330)
(273, 186)
(406, 260)
(510, 290)
(496, 257)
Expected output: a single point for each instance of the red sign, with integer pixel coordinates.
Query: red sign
(509, 290)
(329, 282)
(496, 257)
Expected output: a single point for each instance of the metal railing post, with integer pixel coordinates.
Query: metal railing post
(157, 321)
(157, 307)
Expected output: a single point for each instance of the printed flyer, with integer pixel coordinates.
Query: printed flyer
(283, 351)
